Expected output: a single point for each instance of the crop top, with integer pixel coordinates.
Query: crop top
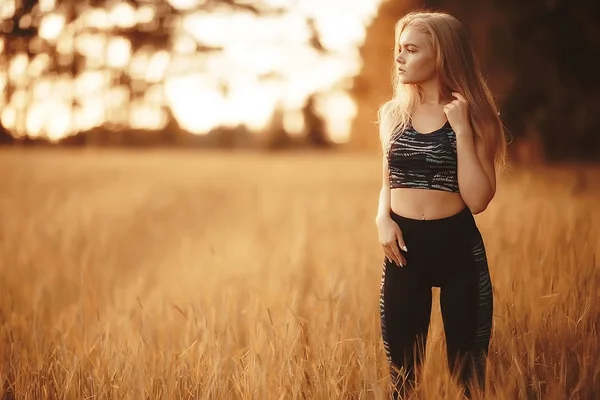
(423, 161)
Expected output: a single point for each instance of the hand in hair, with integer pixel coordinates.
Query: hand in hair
(457, 112)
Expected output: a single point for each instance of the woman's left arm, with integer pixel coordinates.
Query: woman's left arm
(476, 174)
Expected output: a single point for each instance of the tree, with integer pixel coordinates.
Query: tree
(538, 56)
(22, 37)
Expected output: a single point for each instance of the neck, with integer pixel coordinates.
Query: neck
(431, 92)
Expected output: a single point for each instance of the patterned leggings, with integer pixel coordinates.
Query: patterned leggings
(448, 253)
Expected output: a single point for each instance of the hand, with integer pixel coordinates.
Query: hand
(457, 112)
(390, 237)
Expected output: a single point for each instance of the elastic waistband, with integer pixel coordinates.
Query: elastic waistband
(463, 218)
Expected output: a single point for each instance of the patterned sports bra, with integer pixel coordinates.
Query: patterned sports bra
(423, 161)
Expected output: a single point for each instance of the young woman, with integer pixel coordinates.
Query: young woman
(443, 145)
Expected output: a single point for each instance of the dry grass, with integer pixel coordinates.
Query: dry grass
(199, 275)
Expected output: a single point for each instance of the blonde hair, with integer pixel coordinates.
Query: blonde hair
(457, 71)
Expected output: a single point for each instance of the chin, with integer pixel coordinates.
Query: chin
(406, 81)
(409, 81)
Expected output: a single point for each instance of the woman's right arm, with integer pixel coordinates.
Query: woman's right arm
(390, 235)
(383, 211)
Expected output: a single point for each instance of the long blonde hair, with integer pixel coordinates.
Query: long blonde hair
(457, 71)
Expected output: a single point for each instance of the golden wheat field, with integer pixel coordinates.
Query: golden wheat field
(203, 275)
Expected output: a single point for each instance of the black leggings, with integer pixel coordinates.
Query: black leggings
(448, 253)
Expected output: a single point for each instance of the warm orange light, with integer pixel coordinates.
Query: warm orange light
(122, 15)
(118, 52)
(17, 69)
(338, 110)
(157, 65)
(186, 4)
(266, 62)
(7, 9)
(2, 90)
(38, 65)
(51, 26)
(145, 116)
(46, 5)
(145, 14)
(196, 105)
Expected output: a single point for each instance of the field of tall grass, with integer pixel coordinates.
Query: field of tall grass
(199, 275)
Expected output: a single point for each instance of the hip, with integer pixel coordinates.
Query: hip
(451, 232)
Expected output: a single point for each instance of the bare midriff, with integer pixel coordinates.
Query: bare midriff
(425, 204)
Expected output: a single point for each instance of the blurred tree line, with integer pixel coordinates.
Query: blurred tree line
(538, 55)
(21, 36)
(541, 60)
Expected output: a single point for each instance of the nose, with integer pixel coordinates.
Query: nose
(400, 59)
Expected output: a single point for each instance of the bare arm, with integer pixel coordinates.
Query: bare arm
(476, 172)
(390, 235)
(383, 211)
(476, 175)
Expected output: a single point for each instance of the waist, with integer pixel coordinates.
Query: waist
(425, 203)
(448, 228)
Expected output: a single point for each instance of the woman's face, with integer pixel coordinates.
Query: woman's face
(415, 60)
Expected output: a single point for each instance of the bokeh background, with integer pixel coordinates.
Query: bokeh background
(188, 191)
(278, 73)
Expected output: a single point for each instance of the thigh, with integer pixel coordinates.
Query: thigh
(405, 303)
(466, 299)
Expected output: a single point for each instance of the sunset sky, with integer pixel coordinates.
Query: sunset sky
(267, 62)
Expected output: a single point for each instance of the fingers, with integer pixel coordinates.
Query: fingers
(396, 245)
(388, 254)
(397, 254)
(401, 245)
(451, 105)
(456, 105)
(400, 240)
(448, 107)
(392, 246)
(459, 96)
(392, 256)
